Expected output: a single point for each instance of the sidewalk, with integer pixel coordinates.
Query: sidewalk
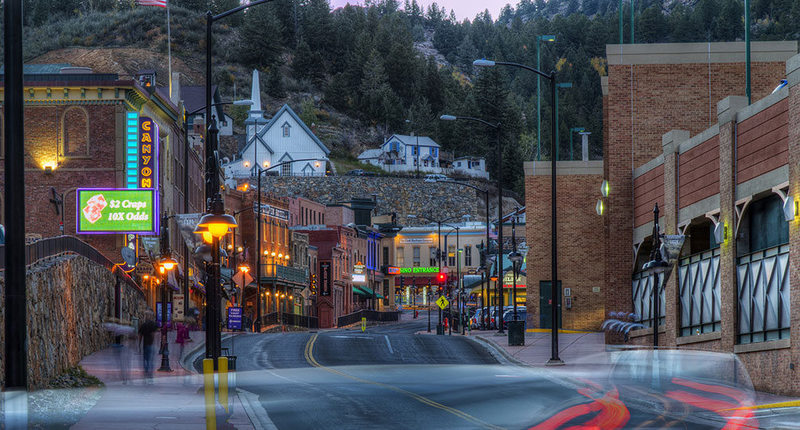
(174, 400)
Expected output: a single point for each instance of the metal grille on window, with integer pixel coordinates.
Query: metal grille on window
(699, 286)
(643, 298)
(763, 295)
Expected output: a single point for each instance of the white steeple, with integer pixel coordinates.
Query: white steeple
(255, 94)
(256, 116)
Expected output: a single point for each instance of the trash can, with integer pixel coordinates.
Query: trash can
(231, 363)
(516, 333)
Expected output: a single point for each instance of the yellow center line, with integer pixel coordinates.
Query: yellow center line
(309, 356)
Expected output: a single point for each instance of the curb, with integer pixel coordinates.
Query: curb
(189, 357)
(497, 350)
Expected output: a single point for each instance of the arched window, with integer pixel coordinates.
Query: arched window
(75, 133)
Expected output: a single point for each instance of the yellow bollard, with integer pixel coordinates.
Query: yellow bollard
(208, 383)
(363, 324)
(222, 364)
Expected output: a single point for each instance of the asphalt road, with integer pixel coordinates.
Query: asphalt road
(391, 378)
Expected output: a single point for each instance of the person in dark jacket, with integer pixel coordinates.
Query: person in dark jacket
(147, 335)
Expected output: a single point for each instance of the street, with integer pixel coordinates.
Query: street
(390, 377)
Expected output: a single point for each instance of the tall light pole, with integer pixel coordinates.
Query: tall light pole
(186, 116)
(559, 85)
(554, 290)
(215, 221)
(165, 265)
(539, 39)
(497, 127)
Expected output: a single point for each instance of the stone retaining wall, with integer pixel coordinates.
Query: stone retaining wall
(401, 195)
(69, 298)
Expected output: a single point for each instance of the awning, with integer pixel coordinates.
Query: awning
(365, 291)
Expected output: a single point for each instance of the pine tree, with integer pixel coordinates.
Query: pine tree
(275, 86)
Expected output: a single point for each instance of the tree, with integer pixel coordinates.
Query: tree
(275, 86)
(307, 64)
(257, 46)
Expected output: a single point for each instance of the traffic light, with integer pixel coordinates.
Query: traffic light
(442, 278)
(313, 284)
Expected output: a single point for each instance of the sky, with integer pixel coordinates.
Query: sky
(462, 8)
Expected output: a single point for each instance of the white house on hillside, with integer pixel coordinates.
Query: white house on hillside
(471, 166)
(281, 139)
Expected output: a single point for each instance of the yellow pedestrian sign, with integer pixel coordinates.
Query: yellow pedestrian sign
(442, 302)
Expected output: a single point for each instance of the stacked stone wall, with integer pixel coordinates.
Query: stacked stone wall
(69, 297)
(400, 195)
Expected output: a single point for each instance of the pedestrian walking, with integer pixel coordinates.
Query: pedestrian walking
(147, 335)
(122, 332)
(182, 333)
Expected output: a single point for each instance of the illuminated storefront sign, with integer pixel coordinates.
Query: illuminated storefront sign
(392, 270)
(419, 270)
(148, 153)
(359, 278)
(416, 240)
(108, 210)
(132, 150)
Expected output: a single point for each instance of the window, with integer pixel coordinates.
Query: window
(286, 128)
(434, 262)
(468, 255)
(386, 255)
(75, 129)
(416, 256)
(451, 255)
(286, 169)
(434, 152)
(400, 256)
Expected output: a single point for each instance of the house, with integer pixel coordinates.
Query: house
(374, 157)
(471, 166)
(411, 153)
(279, 143)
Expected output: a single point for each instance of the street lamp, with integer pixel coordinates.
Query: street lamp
(216, 204)
(516, 263)
(558, 85)
(165, 264)
(554, 359)
(539, 39)
(497, 129)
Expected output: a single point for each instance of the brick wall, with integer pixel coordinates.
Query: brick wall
(648, 190)
(699, 172)
(762, 142)
(580, 266)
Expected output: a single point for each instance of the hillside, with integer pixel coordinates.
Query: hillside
(359, 74)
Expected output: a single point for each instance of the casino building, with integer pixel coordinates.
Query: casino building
(84, 129)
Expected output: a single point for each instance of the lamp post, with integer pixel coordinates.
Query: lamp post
(554, 358)
(482, 271)
(516, 259)
(496, 127)
(166, 264)
(539, 39)
(215, 220)
(559, 85)
(416, 149)
(656, 266)
(458, 274)
(258, 208)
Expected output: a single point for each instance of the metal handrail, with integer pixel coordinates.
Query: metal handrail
(59, 245)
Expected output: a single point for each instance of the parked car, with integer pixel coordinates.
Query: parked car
(522, 314)
(356, 172)
(474, 322)
(434, 177)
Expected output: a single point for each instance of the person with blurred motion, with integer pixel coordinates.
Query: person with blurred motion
(147, 335)
(182, 333)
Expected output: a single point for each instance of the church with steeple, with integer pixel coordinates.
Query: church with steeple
(283, 143)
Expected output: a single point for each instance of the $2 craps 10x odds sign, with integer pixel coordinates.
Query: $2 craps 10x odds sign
(108, 210)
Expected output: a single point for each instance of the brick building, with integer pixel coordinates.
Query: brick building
(76, 137)
(581, 266)
(679, 133)
(306, 212)
(335, 254)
